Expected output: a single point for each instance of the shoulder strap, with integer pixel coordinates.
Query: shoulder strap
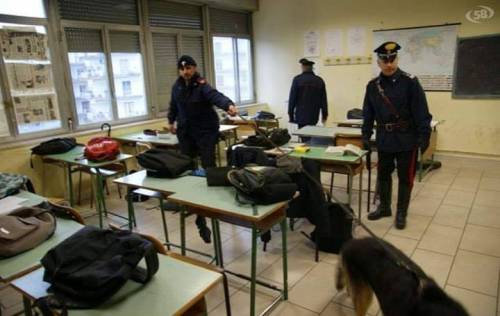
(142, 275)
(386, 100)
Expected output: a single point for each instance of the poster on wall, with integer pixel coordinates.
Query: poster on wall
(356, 41)
(311, 44)
(334, 47)
(426, 52)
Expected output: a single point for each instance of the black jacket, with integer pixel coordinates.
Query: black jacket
(192, 105)
(408, 97)
(307, 98)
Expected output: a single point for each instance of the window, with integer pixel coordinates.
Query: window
(30, 83)
(87, 63)
(177, 29)
(29, 8)
(128, 74)
(232, 53)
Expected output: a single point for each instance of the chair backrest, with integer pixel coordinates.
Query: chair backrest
(352, 140)
(156, 242)
(75, 215)
(141, 147)
(267, 125)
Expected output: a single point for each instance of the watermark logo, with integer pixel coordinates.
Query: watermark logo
(480, 14)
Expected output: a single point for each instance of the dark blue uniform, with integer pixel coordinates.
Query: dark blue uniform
(307, 98)
(408, 97)
(197, 122)
(403, 124)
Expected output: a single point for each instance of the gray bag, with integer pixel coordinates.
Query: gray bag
(24, 229)
(10, 183)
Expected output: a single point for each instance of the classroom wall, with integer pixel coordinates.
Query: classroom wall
(472, 126)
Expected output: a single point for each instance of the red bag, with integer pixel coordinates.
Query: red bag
(101, 149)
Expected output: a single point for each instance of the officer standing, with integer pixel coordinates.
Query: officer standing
(307, 97)
(396, 101)
(197, 128)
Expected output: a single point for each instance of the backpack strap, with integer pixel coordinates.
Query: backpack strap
(142, 275)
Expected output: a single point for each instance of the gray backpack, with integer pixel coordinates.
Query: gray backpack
(24, 229)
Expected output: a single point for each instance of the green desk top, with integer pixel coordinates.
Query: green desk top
(173, 289)
(316, 131)
(170, 140)
(318, 153)
(75, 155)
(23, 262)
(141, 180)
(31, 198)
(220, 200)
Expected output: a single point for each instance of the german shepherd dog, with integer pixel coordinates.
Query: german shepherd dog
(368, 266)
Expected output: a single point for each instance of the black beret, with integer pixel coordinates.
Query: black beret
(185, 60)
(306, 62)
(388, 49)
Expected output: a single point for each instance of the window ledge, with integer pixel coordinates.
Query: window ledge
(76, 134)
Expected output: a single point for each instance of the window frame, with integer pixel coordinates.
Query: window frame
(57, 69)
(105, 29)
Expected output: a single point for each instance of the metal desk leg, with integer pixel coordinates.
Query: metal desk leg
(219, 240)
(360, 193)
(253, 274)
(98, 197)
(164, 221)
(183, 230)
(216, 242)
(27, 306)
(285, 260)
(130, 208)
(70, 186)
(350, 179)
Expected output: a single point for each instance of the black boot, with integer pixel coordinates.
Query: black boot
(203, 229)
(384, 209)
(404, 194)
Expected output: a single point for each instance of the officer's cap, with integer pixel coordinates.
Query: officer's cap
(184, 61)
(387, 49)
(306, 62)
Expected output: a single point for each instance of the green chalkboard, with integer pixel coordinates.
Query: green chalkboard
(477, 67)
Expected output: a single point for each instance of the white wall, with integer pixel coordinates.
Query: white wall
(472, 126)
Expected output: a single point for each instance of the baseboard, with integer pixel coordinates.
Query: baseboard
(466, 155)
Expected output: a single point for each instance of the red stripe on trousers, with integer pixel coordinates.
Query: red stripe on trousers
(412, 168)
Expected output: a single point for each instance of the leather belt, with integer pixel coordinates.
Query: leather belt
(390, 127)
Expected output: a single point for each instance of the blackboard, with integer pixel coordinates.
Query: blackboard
(477, 67)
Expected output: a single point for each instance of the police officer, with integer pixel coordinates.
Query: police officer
(396, 101)
(197, 128)
(307, 97)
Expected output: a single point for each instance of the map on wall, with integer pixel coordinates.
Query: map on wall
(426, 52)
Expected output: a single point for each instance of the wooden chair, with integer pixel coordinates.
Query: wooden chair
(71, 212)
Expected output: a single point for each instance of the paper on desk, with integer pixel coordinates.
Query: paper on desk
(9, 204)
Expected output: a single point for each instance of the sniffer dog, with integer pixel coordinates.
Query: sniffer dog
(370, 265)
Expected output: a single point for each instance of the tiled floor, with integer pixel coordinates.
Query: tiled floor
(453, 233)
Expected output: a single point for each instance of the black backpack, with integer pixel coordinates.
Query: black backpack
(340, 230)
(279, 136)
(164, 163)
(355, 114)
(53, 146)
(264, 115)
(262, 185)
(93, 264)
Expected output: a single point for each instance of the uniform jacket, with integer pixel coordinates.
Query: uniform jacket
(307, 98)
(408, 97)
(192, 105)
